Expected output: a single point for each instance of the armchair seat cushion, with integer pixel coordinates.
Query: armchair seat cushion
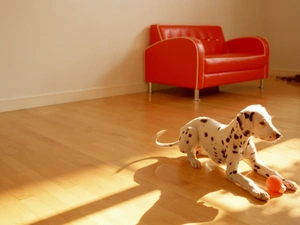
(232, 62)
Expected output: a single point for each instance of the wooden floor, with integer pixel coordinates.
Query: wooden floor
(93, 162)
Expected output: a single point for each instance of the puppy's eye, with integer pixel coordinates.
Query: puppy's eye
(263, 123)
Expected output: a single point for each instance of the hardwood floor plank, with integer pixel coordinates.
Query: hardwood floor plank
(94, 162)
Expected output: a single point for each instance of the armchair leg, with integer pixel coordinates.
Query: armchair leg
(262, 86)
(196, 95)
(150, 87)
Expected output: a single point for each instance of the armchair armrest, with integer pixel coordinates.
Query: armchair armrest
(175, 61)
(252, 45)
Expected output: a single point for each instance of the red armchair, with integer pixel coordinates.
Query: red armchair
(198, 57)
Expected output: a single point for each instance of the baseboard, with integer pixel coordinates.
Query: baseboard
(67, 97)
(281, 72)
(93, 93)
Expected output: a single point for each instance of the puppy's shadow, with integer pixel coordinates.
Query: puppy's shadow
(182, 190)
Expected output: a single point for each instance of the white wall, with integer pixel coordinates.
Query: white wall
(283, 33)
(55, 51)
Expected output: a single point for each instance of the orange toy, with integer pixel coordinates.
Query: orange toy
(274, 184)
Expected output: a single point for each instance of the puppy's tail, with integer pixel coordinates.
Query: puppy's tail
(158, 134)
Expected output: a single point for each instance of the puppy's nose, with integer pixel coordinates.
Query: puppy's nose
(278, 136)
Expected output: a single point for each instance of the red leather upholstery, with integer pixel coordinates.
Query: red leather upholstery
(199, 56)
(232, 62)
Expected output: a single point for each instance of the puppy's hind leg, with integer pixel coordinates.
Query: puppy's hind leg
(188, 142)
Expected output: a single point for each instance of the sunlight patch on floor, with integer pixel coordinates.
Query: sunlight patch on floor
(93, 208)
(64, 195)
(294, 212)
(286, 203)
(275, 157)
(134, 208)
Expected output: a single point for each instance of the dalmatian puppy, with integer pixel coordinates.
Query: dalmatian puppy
(229, 144)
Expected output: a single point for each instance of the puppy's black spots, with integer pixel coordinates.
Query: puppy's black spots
(241, 136)
(170, 145)
(247, 132)
(283, 179)
(222, 142)
(235, 152)
(203, 120)
(212, 138)
(224, 153)
(246, 115)
(234, 147)
(230, 163)
(187, 142)
(190, 135)
(257, 167)
(255, 170)
(234, 172)
(227, 140)
(236, 136)
(205, 134)
(219, 128)
(240, 122)
(251, 116)
(267, 175)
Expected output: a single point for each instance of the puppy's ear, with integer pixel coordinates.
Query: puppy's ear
(244, 120)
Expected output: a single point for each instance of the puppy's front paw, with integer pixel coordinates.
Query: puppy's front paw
(260, 194)
(195, 163)
(290, 185)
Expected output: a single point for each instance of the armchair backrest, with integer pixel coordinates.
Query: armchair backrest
(211, 37)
